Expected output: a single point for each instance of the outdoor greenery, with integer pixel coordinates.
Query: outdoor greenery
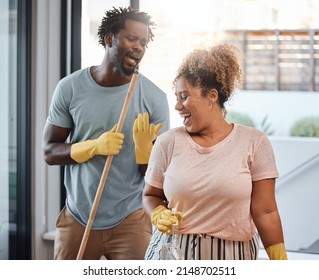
(306, 127)
(265, 126)
(245, 119)
(240, 118)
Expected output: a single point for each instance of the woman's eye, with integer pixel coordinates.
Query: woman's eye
(183, 98)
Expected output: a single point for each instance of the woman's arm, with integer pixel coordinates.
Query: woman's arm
(266, 217)
(153, 197)
(155, 205)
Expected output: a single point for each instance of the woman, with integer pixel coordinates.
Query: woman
(220, 176)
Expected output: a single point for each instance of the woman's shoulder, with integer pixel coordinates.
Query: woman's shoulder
(170, 135)
(248, 130)
(172, 132)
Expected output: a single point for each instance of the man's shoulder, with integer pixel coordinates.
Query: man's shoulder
(73, 80)
(74, 76)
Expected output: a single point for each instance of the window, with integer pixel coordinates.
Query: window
(15, 172)
(8, 55)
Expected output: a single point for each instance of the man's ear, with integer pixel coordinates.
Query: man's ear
(108, 38)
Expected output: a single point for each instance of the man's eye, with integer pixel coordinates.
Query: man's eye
(184, 98)
(143, 44)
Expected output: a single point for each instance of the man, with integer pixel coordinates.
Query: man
(85, 109)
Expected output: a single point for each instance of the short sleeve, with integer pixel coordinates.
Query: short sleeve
(158, 163)
(59, 114)
(263, 165)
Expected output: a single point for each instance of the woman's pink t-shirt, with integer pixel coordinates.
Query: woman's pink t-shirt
(212, 186)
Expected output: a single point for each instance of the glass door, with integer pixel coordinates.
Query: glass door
(15, 114)
(8, 147)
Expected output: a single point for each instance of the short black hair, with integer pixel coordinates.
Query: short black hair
(114, 21)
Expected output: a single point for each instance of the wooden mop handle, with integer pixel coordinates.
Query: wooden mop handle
(106, 168)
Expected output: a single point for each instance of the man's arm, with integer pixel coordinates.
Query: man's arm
(55, 150)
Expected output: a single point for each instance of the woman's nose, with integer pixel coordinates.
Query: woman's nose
(178, 105)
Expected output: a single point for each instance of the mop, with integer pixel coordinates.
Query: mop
(106, 168)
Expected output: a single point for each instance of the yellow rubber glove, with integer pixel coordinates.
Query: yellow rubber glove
(109, 143)
(143, 135)
(277, 252)
(163, 219)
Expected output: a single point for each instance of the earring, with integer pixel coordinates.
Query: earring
(211, 105)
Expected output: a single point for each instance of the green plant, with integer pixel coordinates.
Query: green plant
(265, 126)
(306, 127)
(240, 118)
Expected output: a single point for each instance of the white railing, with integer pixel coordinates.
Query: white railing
(299, 169)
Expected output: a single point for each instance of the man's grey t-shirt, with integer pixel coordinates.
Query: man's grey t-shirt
(89, 110)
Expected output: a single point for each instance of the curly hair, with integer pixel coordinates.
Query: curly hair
(114, 21)
(217, 67)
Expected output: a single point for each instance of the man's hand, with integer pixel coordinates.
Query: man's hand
(143, 135)
(109, 143)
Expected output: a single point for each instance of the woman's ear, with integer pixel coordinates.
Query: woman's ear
(213, 95)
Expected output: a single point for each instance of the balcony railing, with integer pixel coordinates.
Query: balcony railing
(278, 59)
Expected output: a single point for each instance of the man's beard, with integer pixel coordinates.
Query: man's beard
(124, 71)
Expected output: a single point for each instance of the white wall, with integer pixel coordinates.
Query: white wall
(297, 189)
(45, 75)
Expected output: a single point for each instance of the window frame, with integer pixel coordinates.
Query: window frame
(20, 246)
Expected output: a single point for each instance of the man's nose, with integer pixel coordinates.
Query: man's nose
(138, 46)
